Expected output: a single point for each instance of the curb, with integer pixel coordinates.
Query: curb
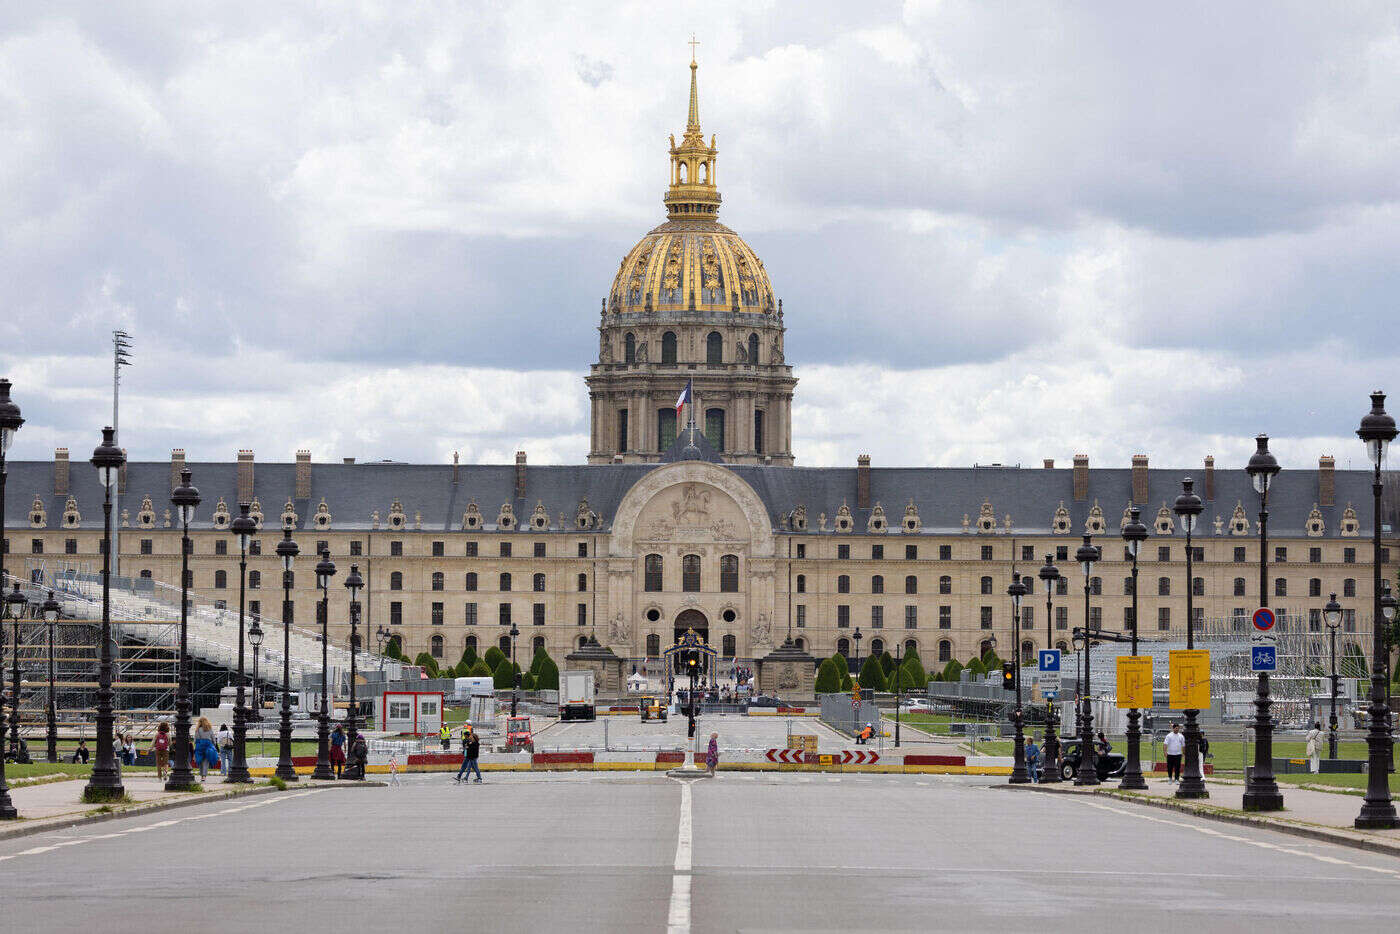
(137, 810)
(1339, 838)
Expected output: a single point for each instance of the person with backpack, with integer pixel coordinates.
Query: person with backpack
(161, 747)
(471, 750)
(359, 756)
(338, 750)
(225, 748)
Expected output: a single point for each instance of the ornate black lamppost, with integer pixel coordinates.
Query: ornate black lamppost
(51, 610)
(1051, 773)
(15, 603)
(105, 782)
(515, 680)
(287, 551)
(1378, 811)
(1134, 534)
(1087, 555)
(244, 527)
(10, 421)
(1261, 791)
(184, 498)
(255, 639)
(325, 570)
(381, 638)
(1019, 774)
(354, 584)
(856, 635)
(1187, 507)
(1332, 615)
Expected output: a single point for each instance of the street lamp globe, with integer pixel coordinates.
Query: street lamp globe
(287, 550)
(1134, 532)
(325, 570)
(1188, 506)
(51, 609)
(1332, 613)
(1016, 591)
(1086, 554)
(108, 458)
(185, 497)
(255, 634)
(1262, 466)
(1377, 429)
(10, 419)
(243, 526)
(14, 603)
(1049, 573)
(1388, 603)
(354, 582)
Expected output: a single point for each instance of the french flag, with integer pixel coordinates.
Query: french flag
(682, 399)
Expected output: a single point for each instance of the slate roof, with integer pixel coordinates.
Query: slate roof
(942, 494)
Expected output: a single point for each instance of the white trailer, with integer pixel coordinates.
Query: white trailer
(576, 695)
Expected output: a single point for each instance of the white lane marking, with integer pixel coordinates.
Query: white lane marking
(834, 778)
(678, 916)
(1261, 844)
(169, 822)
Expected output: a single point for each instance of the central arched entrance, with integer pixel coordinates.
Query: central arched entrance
(691, 619)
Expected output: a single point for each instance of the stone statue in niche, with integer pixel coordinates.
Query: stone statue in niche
(741, 353)
(641, 352)
(617, 629)
(762, 630)
(776, 355)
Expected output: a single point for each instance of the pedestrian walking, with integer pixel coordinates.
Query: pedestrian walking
(712, 753)
(394, 769)
(1315, 747)
(225, 748)
(1203, 747)
(359, 757)
(471, 749)
(161, 747)
(1174, 744)
(338, 750)
(206, 750)
(1033, 760)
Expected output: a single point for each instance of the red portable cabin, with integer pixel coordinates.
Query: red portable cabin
(416, 712)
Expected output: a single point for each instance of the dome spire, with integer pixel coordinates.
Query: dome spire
(692, 194)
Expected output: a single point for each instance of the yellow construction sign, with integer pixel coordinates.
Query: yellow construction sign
(1134, 681)
(1190, 679)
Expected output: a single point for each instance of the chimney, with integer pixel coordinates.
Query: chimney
(455, 468)
(1049, 463)
(1210, 478)
(347, 461)
(245, 476)
(303, 476)
(60, 471)
(121, 476)
(1139, 478)
(1081, 477)
(519, 474)
(1327, 480)
(177, 464)
(863, 481)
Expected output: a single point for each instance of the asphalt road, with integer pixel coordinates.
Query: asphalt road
(737, 733)
(622, 852)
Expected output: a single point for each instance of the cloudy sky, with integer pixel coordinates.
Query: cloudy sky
(1002, 232)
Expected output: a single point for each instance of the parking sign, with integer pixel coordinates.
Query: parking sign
(1049, 660)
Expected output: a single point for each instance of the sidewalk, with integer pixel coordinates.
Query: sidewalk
(1321, 815)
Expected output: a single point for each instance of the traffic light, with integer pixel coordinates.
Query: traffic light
(855, 691)
(1008, 676)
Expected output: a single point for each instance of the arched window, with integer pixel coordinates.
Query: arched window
(254, 580)
(1239, 586)
(945, 650)
(843, 584)
(505, 582)
(439, 581)
(396, 580)
(911, 584)
(220, 580)
(435, 646)
(629, 347)
(877, 646)
(801, 644)
(727, 644)
(1280, 587)
(536, 644)
(652, 577)
(582, 641)
(911, 646)
(1027, 651)
(986, 585)
(471, 580)
(714, 428)
(945, 584)
(1315, 587)
(714, 348)
(583, 583)
(753, 348)
(877, 584)
(1198, 586)
(984, 648)
(1062, 646)
(802, 583)
(668, 347)
(843, 647)
(538, 583)
(690, 573)
(653, 645)
(1164, 586)
(471, 643)
(729, 574)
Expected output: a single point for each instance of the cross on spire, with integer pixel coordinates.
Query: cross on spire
(693, 44)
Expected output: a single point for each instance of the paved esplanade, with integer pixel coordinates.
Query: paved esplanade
(607, 852)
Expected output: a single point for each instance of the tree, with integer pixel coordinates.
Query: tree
(395, 647)
(952, 671)
(527, 683)
(448, 672)
(842, 663)
(468, 660)
(872, 675)
(480, 669)
(886, 664)
(915, 669)
(493, 657)
(977, 667)
(907, 680)
(548, 677)
(846, 683)
(504, 676)
(828, 678)
(427, 663)
(541, 656)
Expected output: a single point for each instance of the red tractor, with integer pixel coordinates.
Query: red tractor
(518, 735)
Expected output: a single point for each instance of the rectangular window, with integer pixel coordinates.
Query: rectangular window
(505, 614)
(36, 546)
(255, 547)
(539, 549)
(1027, 552)
(1127, 617)
(400, 710)
(1061, 552)
(801, 616)
(1061, 617)
(323, 547)
(396, 613)
(1028, 616)
(877, 617)
(1385, 552)
(986, 552)
(356, 548)
(396, 549)
(469, 614)
(1095, 617)
(665, 428)
(1348, 555)
(911, 617)
(877, 552)
(945, 552)
(1164, 617)
(1164, 553)
(1280, 554)
(255, 608)
(1349, 620)
(583, 549)
(538, 614)
(758, 430)
(70, 546)
(1198, 553)
(439, 549)
(505, 549)
(583, 614)
(4, 546)
(1314, 555)
(147, 546)
(622, 430)
(986, 617)
(801, 550)
(1239, 554)
(843, 616)
(437, 614)
(1314, 620)
(220, 546)
(911, 552)
(945, 617)
(472, 549)
(843, 552)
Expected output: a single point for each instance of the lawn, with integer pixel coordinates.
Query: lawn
(76, 770)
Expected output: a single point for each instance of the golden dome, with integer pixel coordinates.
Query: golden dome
(692, 262)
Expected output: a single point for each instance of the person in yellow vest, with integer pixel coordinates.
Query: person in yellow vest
(446, 734)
